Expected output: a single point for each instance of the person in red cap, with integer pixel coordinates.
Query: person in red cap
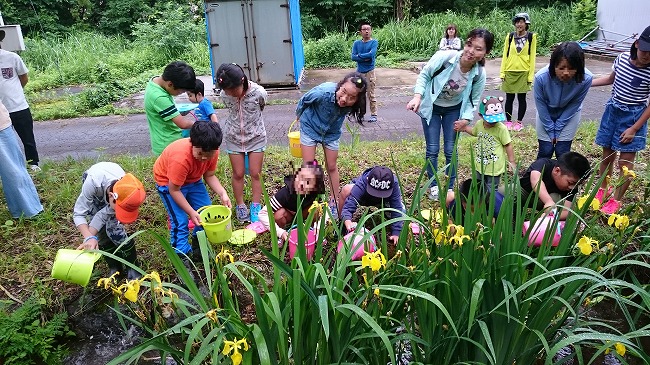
(111, 198)
(378, 187)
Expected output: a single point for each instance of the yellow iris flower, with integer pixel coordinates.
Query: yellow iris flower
(595, 204)
(619, 221)
(225, 256)
(619, 347)
(628, 173)
(376, 292)
(212, 314)
(439, 236)
(373, 260)
(234, 347)
(585, 244)
(131, 290)
(458, 239)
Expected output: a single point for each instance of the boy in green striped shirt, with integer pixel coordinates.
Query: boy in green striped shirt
(165, 122)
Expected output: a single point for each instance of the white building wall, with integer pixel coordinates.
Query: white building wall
(622, 16)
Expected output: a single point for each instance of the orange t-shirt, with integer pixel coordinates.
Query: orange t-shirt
(177, 165)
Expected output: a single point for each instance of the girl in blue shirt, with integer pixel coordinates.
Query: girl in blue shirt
(321, 112)
(559, 91)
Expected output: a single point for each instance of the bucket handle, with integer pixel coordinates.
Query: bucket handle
(203, 208)
(292, 123)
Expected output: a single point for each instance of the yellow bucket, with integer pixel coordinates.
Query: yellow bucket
(294, 141)
(74, 266)
(216, 222)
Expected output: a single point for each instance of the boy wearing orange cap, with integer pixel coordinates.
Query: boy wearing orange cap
(111, 198)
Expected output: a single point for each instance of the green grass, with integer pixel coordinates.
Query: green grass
(37, 240)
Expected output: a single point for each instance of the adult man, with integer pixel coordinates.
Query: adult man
(14, 78)
(364, 53)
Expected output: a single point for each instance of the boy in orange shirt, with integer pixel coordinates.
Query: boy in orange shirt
(180, 172)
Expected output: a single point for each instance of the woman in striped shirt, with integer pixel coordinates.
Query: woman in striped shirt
(623, 127)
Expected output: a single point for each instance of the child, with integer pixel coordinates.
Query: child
(559, 90)
(307, 183)
(493, 143)
(18, 187)
(553, 180)
(111, 198)
(321, 112)
(623, 127)
(205, 111)
(518, 67)
(165, 122)
(364, 53)
(180, 172)
(378, 187)
(450, 40)
(244, 135)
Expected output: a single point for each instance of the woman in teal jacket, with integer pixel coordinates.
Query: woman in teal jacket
(446, 92)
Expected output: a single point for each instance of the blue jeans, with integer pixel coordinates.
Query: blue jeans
(441, 117)
(546, 148)
(197, 195)
(19, 190)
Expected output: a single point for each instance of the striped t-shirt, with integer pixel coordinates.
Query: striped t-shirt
(631, 84)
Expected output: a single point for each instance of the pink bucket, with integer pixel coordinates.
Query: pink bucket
(354, 241)
(539, 230)
(310, 245)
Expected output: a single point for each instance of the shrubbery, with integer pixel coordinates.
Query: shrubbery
(26, 338)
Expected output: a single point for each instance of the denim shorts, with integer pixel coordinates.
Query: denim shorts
(235, 152)
(309, 142)
(616, 119)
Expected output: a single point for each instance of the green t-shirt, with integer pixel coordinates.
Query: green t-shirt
(489, 148)
(160, 109)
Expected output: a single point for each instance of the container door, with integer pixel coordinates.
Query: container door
(271, 41)
(228, 29)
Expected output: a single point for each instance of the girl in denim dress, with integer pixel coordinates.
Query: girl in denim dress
(321, 112)
(624, 126)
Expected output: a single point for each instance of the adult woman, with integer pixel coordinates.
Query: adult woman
(559, 90)
(447, 90)
(518, 67)
(450, 40)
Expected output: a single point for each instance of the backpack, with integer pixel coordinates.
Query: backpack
(512, 35)
(442, 68)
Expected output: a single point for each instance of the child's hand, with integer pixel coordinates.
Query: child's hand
(90, 244)
(393, 239)
(225, 200)
(350, 225)
(195, 218)
(285, 237)
(460, 125)
(628, 135)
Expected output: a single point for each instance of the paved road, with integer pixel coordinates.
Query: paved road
(98, 136)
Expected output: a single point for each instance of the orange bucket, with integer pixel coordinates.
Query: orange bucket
(294, 141)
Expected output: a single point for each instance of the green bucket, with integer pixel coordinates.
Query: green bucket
(216, 222)
(74, 266)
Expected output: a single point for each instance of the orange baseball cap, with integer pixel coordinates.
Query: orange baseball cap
(130, 195)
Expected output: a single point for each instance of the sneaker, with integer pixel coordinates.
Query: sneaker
(242, 213)
(35, 168)
(611, 206)
(508, 124)
(255, 210)
(517, 126)
(433, 193)
(373, 119)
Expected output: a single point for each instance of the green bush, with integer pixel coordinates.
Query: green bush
(332, 50)
(583, 13)
(25, 338)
